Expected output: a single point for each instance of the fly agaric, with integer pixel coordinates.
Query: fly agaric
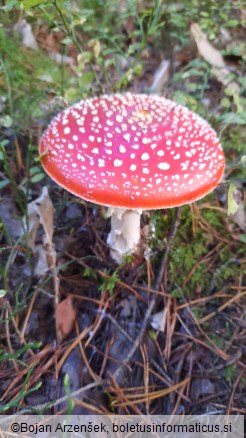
(132, 152)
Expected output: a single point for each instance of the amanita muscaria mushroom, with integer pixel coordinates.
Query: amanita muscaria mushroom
(132, 152)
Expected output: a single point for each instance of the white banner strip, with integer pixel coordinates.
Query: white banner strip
(110, 426)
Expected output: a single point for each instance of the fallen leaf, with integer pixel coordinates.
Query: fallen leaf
(240, 217)
(65, 316)
(235, 200)
(158, 321)
(213, 57)
(201, 388)
(41, 212)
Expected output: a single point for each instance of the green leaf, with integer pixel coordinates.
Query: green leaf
(32, 3)
(234, 118)
(70, 402)
(6, 121)
(10, 5)
(109, 283)
(20, 351)
(2, 293)
(4, 182)
(243, 238)
(89, 273)
(234, 199)
(86, 79)
(37, 177)
(243, 160)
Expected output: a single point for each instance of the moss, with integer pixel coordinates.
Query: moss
(187, 256)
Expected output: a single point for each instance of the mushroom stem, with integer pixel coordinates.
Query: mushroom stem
(124, 236)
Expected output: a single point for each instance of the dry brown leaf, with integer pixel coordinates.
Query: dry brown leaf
(41, 212)
(65, 317)
(213, 57)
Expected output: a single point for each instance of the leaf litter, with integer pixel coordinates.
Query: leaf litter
(141, 346)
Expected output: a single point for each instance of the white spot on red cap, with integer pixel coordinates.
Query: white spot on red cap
(201, 166)
(122, 149)
(163, 166)
(66, 130)
(145, 170)
(119, 118)
(176, 177)
(80, 157)
(101, 162)
(118, 163)
(145, 156)
(146, 140)
(127, 137)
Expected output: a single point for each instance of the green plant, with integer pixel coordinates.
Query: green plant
(109, 282)
(210, 15)
(70, 402)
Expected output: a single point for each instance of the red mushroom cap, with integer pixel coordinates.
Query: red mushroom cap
(132, 151)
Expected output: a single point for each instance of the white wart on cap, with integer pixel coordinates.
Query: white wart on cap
(132, 151)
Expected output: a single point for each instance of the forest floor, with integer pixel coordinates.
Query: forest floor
(165, 331)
